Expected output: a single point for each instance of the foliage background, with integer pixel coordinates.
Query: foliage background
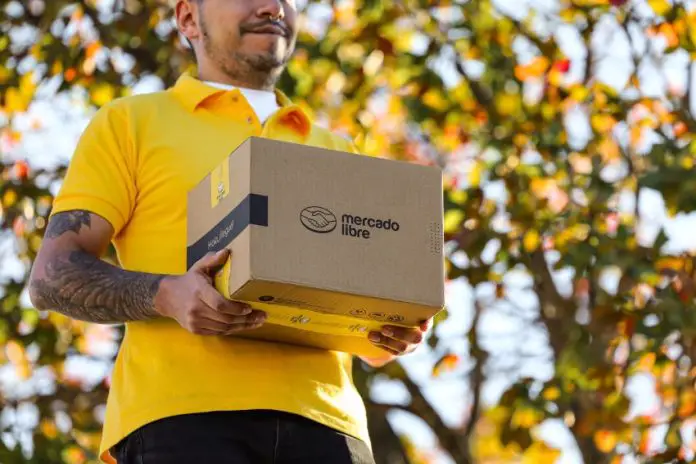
(565, 129)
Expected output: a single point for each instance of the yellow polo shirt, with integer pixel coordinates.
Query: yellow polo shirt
(133, 166)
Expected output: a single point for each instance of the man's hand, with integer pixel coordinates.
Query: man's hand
(396, 341)
(197, 306)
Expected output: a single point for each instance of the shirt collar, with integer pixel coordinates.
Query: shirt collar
(192, 92)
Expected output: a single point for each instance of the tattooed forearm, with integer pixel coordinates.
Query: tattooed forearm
(69, 221)
(84, 287)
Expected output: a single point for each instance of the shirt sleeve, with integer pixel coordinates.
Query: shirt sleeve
(101, 174)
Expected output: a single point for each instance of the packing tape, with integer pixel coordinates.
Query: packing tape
(287, 316)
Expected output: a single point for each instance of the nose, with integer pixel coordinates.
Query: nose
(272, 9)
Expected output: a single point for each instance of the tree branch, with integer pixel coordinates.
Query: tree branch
(476, 377)
(455, 444)
(553, 308)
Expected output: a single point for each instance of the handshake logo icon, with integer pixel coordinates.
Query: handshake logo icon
(318, 219)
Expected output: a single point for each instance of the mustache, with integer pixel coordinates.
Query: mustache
(252, 27)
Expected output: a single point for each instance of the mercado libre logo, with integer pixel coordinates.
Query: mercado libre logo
(322, 220)
(318, 219)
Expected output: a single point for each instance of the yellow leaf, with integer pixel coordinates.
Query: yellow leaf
(636, 135)
(540, 453)
(602, 123)
(453, 219)
(434, 99)
(102, 94)
(526, 417)
(660, 7)
(475, 174)
(14, 101)
(552, 393)
(458, 196)
(579, 93)
(9, 199)
(548, 111)
(531, 240)
(541, 186)
(508, 103)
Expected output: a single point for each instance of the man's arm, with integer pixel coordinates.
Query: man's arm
(69, 277)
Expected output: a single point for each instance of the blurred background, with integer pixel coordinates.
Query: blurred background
(565, 129)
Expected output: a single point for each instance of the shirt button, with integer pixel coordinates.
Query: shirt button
(250, 120)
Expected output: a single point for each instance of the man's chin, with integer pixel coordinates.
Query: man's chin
(266, 61)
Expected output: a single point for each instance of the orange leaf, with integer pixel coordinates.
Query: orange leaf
(21, 170)
(647, 361)
(534, 68)
(14, 352)
(447, 363)
(92, 49)
(667, 30)
(70, 74)
(605, 440)
(687, 404)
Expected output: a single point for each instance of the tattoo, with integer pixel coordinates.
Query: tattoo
(84, 287)
(69, 221)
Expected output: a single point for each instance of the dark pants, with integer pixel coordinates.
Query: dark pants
(244, 437)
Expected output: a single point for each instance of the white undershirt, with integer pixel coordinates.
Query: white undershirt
(263, 102)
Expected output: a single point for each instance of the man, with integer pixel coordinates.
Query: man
(184, 390)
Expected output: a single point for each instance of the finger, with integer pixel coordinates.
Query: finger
(388, 350)
(214, 300)
(233, 308)
(212, 261)
(398, 346)
(210, 327)
(413, 336)
(426, 324)
(242, 327)
(207, 332)
(254, 317)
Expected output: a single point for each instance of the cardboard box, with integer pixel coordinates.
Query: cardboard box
(330, 244)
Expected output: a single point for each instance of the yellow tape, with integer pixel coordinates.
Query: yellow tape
(222, 279)
(219, 183)
(287, 316)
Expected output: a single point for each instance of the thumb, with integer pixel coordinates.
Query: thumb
(212, 261)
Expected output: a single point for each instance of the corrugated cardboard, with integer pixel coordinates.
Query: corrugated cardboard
(330, 244)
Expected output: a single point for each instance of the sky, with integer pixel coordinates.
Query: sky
(64, 117)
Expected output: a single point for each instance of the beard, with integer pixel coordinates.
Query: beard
(262, 68)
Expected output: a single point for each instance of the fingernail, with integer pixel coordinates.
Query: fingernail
(388, 332)
(374, 337)
(260, 317)
(246, 309)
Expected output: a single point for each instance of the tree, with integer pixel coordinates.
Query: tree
(554, 126)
